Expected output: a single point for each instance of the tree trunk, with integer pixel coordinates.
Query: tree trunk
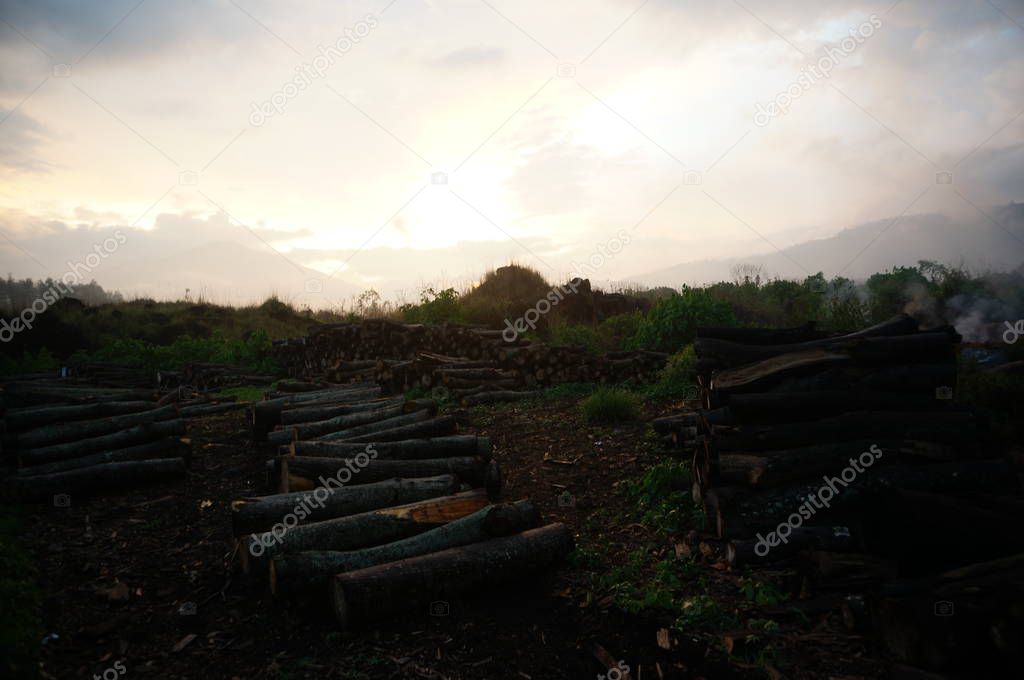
(303, 474)
(307, 570)
(436, 427)
(139, 434)
(309, 414)
(251, 515)
(405, 449)
(397, 586)
(209, 409)
(771, 407)
(354, 420)
(162, 448)
(69, 432)
(25, 418)
(341, 434)
(267, 414)
(93, 480)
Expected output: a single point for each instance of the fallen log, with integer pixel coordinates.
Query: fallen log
(750, 376)
(497, 396)
(309, 414)
(772, 407)
(382, 590)
(94, 479)
(267, 414)
(210, 409)
(353, 421)
(301, 473)
(252, 515)
(405, 449)
(139, 434)
(313, 568)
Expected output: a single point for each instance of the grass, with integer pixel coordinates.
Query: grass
(610, 405)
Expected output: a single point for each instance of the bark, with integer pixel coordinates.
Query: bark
(26, 418)
(94, 480)
(309, 414)
(767, 370)
(791, 406)
(84, 429)
(302, 473)
(406, 449)
(435, 427)
(307, 570)
(139, 434)
(162, 448)
(347, 433)
(267, 414)
(258, 514)
(353, 420)
(387, 588)
(200, 410)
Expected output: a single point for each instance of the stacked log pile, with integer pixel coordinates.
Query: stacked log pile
(212, 376)
(846, 458)
(377, 505)
(468, 360)
(62, 440)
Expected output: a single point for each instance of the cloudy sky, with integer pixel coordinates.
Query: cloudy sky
(244, 146)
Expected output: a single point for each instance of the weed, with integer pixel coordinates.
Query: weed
(608, 405)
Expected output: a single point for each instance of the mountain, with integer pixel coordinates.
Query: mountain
(862, 250)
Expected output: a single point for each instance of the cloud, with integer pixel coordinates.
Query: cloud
(20, 139)
(469, 57)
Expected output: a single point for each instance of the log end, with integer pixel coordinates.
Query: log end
(342, 612)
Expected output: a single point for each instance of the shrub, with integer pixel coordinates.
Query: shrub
(610, 405)
(434, 307)
(677, 378)
(577, 335)
(673, 321)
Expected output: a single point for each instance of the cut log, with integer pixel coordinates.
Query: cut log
(342, 434)
(741, 553)
(359, 596)
(309, 414)
(139, 434)
(436, 427)
(792, 406)
(58, 433)
(267, 414)
(93, 480)
(201, 410)
(251, 515)
(301, 473)
(162, 448)
(306, 570)
(762, 372)
(406, 449)
(353, 421)
(25, 418)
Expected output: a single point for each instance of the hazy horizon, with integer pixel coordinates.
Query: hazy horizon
(240, 147)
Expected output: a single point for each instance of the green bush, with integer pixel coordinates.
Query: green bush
(252, 352)
(610, 405)
(434, 307)
(676, 380)
(587, 337)
(673, 321)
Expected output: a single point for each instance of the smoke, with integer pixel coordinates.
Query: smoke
(979, 315)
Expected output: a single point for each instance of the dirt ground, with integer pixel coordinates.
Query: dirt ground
(142, 585)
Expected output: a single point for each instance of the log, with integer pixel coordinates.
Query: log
(301, 473)
(750, 376)
(58, 433)
(353, 421)
(139, 434)
(347, 433)
(740, 553)
(201, 410)
(309, 414)
(792, 406)
(162, 448)
(251, 515)
(25, 418)
(405, 449)
(93, 480)
(307, 570)
(267, 414)
(382, 590)
(435, 427)
(763, 336)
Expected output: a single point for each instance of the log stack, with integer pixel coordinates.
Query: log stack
(459, 358)
(62, 440)
(847, 458)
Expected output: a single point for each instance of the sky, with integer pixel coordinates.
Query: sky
(316, 149)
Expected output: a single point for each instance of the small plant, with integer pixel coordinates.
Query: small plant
(676, 380)
(662, 494)
(701, 612)
(761, 593)
(609, 405)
